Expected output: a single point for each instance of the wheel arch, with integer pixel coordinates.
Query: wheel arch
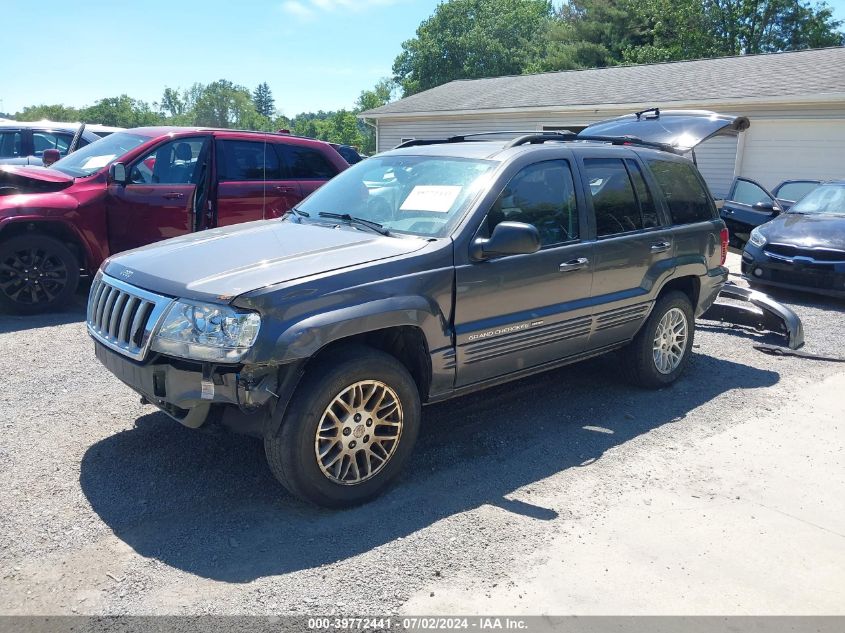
(63, 231)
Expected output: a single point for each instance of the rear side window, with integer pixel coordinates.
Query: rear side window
(750, 193)
(686, 196)
(10, 144)
(614, 201)
(50, 140)
(306, 163)
(247, 160)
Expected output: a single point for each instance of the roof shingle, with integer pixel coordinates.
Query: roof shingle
(799, 73)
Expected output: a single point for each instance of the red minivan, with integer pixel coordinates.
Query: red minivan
(141, 186)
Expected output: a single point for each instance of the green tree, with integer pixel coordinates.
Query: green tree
(467, 39)
(691, 29)
(56, 112)
(225, 104)
(263, 100)
(122, 111)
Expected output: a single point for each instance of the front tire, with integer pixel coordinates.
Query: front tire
(349, 429)
(661, 349)
(37, 274)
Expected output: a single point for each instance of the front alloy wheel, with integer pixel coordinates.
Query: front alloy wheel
(359, 432)
(37, 273)
(349, 429)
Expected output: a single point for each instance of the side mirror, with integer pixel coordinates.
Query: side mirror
(509, 238)
(765, 206)
(117, 173)
(50, 156)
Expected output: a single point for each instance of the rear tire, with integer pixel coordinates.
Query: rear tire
(349, 429)
(37, 274)
(661, 349)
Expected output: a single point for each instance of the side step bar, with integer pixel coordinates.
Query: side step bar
(764, 314)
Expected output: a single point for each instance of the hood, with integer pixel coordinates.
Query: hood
(220, 264)
(16, 179)
(680, 130)
(807, 231)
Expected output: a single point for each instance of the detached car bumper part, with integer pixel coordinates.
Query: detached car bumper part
(763, 314)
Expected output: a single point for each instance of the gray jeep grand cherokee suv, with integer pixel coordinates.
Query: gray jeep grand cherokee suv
(421, 274)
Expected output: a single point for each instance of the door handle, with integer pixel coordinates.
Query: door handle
(573, 264)
(660, 247)
(174, 195)
(283, 189)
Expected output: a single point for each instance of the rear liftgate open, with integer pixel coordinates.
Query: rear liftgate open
(764, 314)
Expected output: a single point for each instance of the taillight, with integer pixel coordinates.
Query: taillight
(725, 237)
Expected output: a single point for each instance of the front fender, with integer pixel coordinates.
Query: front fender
(306, 337)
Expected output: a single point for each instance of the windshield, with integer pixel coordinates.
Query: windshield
(421, 195)
(84, 162)
(825, 199)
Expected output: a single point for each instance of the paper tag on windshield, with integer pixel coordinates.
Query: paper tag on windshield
(95, 162)
(436, 198)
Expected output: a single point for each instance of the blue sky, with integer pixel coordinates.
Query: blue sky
(315, 54)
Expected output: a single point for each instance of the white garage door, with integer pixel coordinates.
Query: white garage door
(779, 150)
(716, 159)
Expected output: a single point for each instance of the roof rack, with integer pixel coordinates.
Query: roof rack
(414, 142)
(534, 138)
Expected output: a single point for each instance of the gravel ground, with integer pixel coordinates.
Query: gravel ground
(109, 507)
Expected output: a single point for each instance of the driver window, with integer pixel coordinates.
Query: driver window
(542, 194)
(174, 163)
(747, 192)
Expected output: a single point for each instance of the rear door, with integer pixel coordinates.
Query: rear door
(520, 311)
(748, 205)
(252, 182)
(308, 166)
(634, 247)
(158, 202)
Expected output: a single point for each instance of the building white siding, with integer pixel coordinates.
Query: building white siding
(715, 159)
(782, 149)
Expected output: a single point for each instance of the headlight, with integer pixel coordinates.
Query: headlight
(756, 238)
(202, 331)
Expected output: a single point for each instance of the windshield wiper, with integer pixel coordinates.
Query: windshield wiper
(375, 226)
(300, 213)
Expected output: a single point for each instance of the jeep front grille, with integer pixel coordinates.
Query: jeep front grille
(123, 317)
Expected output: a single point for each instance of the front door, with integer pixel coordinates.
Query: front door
(158, 202)
(633, 251)
(519, 311)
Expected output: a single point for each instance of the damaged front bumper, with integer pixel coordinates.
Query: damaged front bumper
(186, 390)
(763, 313)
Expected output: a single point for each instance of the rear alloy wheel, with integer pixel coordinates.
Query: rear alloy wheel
(37, 274)
(349, 429)
(661, 349)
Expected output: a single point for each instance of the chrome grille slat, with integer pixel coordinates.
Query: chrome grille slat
(104, 322)
(123, 317)
(137, 323)
(116, 313)
(101, 304)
